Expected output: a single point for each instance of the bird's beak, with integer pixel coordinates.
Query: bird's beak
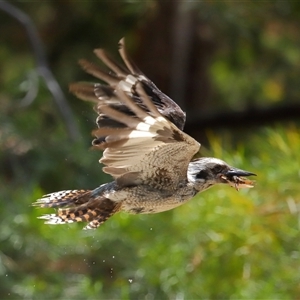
(235, 178)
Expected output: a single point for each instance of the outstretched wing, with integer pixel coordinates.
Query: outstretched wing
(148, 149)
(130, 77)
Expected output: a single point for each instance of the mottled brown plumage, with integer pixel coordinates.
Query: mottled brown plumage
(145, 150)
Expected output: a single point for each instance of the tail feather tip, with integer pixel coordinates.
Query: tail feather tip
(53, 219)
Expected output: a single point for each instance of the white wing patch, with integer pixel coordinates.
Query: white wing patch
(147, 146)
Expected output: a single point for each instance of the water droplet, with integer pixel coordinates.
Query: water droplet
(103, 260)
(151, 228)
(113, 256)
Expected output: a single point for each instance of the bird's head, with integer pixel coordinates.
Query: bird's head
(205, 172)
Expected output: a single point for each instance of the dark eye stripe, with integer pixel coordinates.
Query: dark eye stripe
(202, 175)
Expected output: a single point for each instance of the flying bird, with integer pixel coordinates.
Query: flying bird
(151, 159)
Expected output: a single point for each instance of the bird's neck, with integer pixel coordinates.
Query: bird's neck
(200, 186)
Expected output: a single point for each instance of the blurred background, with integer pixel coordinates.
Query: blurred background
(234, 67)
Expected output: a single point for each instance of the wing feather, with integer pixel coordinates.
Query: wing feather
(128, 62)
(139, 126)
(102, 55)
(127, 79)
(84, 91)
(147, 145)
(96, 71)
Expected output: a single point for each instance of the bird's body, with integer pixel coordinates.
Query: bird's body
(145, 150)
(146, 200)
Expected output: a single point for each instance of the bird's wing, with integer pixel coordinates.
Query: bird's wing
(148, 148)
(130, 76)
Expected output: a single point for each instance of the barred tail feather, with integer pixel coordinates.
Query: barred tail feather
(73, 215)
(95, 211)
(67, 198)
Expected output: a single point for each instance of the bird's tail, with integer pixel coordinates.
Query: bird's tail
(79, 206)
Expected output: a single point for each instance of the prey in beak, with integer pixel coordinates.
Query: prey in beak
(236, 178)
(205, 172)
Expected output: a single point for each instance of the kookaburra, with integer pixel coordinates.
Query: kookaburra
(145, 150)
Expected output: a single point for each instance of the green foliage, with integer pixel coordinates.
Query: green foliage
(222, 244)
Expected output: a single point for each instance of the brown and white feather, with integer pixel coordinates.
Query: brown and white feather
(126, 78)
(147, 147)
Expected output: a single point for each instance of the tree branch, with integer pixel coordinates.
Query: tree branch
(244, 119)
(42, 67)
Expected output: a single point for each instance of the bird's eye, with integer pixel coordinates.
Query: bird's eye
(217, 169)
(202, 175)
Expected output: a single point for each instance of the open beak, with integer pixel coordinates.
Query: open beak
(235, 178)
